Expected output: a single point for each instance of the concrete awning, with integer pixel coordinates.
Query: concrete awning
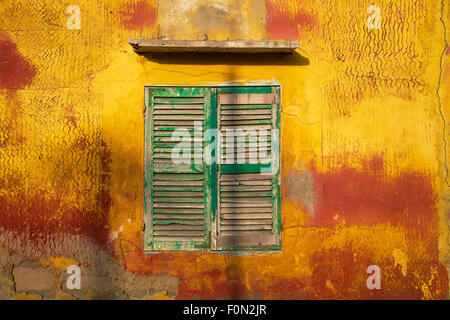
(238, 46)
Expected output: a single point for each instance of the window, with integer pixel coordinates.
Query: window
(212, 168)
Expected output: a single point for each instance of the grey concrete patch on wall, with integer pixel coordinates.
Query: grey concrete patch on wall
(300, 186)
(233, 19)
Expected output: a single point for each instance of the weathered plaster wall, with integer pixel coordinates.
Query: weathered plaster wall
(364, 148)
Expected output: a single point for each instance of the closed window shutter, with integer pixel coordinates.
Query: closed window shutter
(248, 213)
(176, 213)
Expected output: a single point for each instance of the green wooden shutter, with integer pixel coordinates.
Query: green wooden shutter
(177, 196)
(248, 213)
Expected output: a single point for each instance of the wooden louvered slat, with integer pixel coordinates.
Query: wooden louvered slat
(258, 127)
(245, 107)
(173, 205)
(178, 183)
(162, 244)
(179, 117)
(183, 218)
(247, 222)
(240, 188)
(178, 100)
(245, 183)
(178, 124)
(248, 99)
(178, 111)
(247, 215)
(244, 117)
(257, 110)
(160, 234)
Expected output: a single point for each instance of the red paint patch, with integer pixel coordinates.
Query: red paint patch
(447, 51)
(137, 16)
(281, 24)
(371, 197)
(15, 71)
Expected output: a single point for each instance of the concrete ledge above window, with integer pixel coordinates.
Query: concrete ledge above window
(238, 46)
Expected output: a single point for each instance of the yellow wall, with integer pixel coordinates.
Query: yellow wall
(363, 147)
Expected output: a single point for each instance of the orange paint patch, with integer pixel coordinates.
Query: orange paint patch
(137, 16)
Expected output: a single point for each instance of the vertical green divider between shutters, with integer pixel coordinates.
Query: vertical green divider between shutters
(213, 169)
(276, 180)
(148, 141)
(208, 173)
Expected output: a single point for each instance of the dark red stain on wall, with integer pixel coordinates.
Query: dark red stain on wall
(372, 196)
(282, 24)
(15, 71)
(137, 16)
(39, 214)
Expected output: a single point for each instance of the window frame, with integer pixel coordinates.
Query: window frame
(210, 183)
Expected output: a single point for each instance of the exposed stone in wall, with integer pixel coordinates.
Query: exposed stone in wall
(101, 276)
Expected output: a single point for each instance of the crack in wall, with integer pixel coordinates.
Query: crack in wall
(438, 92)
(299, 119)
(12, 278)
